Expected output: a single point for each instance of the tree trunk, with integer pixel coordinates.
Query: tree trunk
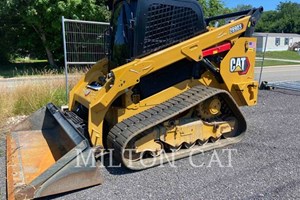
(50, 57)
(44, 41)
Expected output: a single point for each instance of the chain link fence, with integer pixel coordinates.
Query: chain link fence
(84, 43)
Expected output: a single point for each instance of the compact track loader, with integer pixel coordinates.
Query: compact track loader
(172, 84)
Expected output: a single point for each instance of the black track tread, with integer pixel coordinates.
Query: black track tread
(121, 134)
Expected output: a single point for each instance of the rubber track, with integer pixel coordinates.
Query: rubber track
(121, 134)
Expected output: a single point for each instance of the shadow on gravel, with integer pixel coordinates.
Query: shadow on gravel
(278, 191)
(287, 92)
(114, 167)
(62, 194)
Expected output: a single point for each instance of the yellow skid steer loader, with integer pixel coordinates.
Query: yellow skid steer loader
(172, 84)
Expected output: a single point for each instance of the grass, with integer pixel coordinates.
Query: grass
(21, 69)
(34, 69)
(273, 63)
(31, 98)
(28, 98)
(289, 55)
(28, 60)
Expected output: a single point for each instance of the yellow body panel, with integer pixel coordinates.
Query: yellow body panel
(188, 132)
(243, 88)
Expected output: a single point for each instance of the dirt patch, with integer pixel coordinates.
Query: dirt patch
(14, 120)
(11, 121)
(8, 125)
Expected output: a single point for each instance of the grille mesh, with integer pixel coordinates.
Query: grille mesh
(168, 24)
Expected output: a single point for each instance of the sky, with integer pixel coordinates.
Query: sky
(267, 4)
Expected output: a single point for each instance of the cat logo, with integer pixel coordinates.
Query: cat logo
(240, 65)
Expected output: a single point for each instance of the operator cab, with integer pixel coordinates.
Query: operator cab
(139, 28)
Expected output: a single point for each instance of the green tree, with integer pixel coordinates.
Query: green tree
(267, 21)
(286, 19)
(41, 21)
(242, 7)
(212, 7)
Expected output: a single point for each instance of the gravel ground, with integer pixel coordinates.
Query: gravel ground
(2, 166)
(266, 164)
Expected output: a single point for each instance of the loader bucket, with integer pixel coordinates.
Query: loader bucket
(47, 155)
